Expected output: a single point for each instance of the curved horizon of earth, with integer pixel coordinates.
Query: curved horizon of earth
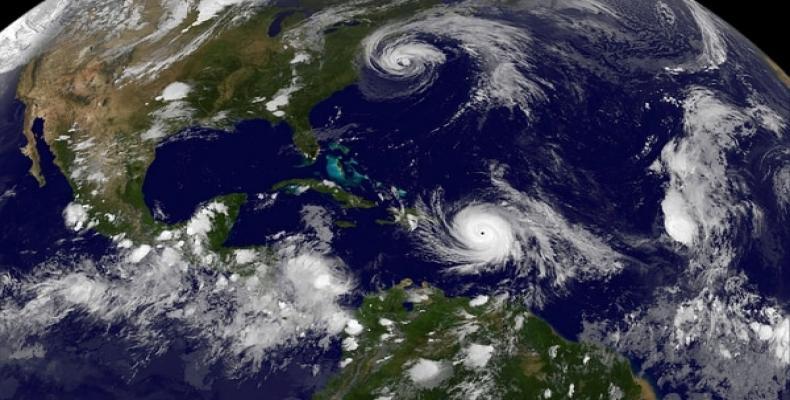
(413, 199)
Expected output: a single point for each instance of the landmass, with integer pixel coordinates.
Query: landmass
(340, 195)
(108, 99)
(104, 117)
(413, 342)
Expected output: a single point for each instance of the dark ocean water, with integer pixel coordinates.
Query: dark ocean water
(199, 164)
(586, 155)
(32, 229)
(419, 145)
(86, 361)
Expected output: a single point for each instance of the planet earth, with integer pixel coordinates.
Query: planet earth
(415, 199)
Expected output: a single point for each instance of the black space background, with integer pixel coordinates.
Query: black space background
(762, 21)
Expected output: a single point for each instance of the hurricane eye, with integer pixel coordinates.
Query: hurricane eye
(479, 235)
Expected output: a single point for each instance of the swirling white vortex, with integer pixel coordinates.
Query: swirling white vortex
(516, 232)
(482, 234)
(406, 61)
(399, 54)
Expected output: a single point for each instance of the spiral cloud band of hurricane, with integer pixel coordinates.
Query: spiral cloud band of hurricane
(708, 212)
(401, 53)
(406, 61)
(514, 231)
(478, 236)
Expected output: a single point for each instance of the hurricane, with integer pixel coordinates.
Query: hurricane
(404, 59)
(476, 236)
(514, 231)
(405, 62)
(255, 198)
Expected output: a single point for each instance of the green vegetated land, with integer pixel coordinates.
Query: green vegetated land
(223, 223)
(340, 195)
(232, 76)
(416, 343)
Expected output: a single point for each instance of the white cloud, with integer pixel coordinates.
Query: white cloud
(705, 203)
(139, 253)
(519, 231)
(397, 53)
(75, 216)
(714, 47)
(353, 327)
(478, 355)
(677, 221)
(27, 36)
(478, 301)
(428, 373)
(237, 320)
(350, 344)
(208, 9)
(175, 91)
